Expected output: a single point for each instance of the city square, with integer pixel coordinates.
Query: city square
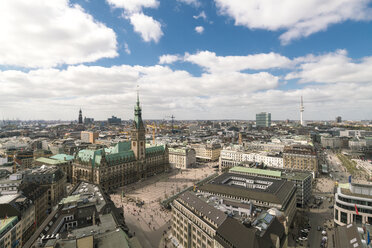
(150, 221)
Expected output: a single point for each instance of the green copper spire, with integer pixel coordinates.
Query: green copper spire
(138, 95)
(137, 113)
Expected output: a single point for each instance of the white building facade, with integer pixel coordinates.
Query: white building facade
(231, 158)
(182, 158)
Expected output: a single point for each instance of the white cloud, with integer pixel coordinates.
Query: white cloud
(54, 94)
(201, 15)
(217, 93)
(133, 6)
(213, 63)
(169, 59)
(194, 3)
(146, 26)
(50, 33)
(333, 68)
(126, 48)
(199, 29)
(298, 18)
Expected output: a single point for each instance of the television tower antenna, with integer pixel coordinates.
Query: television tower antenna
(301, 112)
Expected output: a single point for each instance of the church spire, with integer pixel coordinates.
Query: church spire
(80, 120)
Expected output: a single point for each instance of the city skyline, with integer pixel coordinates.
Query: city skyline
(195, 59)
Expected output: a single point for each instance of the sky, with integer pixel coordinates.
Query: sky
(194, 59)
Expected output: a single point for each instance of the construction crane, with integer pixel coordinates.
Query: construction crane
(153, 126)
(172, 117)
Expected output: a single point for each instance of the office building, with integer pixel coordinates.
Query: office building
(88, 120)
(263, 119)
(24, 158)
(85, 218)
(200, 222)
(355, 133)
(338, 119)
(10, 232)
(262, 192)
(39, 196)
(9, 185)
(89, 137)
(302, 180)
(353, 204)
(182, 157)
(50, 177)
(300, 157)
(114, 121)
(230, 158)
(17, 214)
(334, 142)
(64, 165)
(207, 152)
(124, 163)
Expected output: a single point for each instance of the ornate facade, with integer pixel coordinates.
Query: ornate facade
(125, 163)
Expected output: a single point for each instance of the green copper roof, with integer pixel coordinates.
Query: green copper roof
(126, 155)
(138, 114)
(63, 157)
(49, 161)
(120, 151)
(177, 150)
(119, 147)
(256, 171)
(154, 149)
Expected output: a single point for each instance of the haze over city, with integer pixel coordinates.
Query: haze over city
(195, 59)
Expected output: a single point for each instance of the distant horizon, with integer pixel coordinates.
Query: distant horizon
(294, 120)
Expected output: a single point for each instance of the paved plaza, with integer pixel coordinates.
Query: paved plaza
(150, 222)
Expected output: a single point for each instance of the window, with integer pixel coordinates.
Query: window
(357, 218)
(343, 217)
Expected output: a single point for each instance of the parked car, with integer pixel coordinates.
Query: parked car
(319, 228)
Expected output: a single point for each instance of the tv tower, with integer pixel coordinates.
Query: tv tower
(301, 111)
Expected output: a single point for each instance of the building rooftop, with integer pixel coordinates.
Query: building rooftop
(351, 236)
(62, 157)
(4, 199)
(86, 193)
(296, 175)
(265, 189)
(49, 161)
(241, 169)
(237, 235)
(7, 223)
(207, 212)
(347, 191)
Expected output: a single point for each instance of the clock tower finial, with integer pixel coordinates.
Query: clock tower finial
(138, 132)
